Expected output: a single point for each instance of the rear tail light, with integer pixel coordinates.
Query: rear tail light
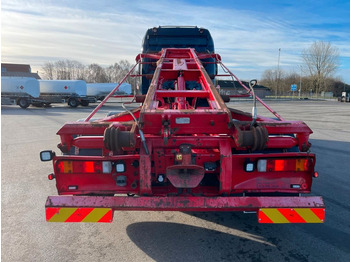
(89, 167)
(107, 167)
(65, 167)
(262, 165)
(277, 165)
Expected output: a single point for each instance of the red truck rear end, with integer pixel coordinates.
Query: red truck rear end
(183, 149)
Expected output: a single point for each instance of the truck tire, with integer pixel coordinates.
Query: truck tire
(73, 102)
(23, 102)
(84, 103)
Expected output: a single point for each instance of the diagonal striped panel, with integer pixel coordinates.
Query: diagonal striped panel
(107, 218)
(79, 214)
(50, 212)
(264, 218)
(309, 215)
(73, 214)
(62, 214)
(291, 215)
(319, 212)
(274, 215)
(97, 214)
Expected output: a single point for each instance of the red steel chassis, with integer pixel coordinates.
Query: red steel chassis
(186, 134)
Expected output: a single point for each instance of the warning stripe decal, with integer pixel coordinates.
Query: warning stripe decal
(291, 215)
(50, 212)
(107, 218)
(73, 214)
(79, 215)
(319, 212)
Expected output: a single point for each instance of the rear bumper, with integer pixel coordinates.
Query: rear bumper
(310, 209)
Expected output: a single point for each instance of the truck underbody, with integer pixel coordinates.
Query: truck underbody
(183, 149)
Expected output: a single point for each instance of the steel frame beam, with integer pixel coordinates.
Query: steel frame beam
(185, 203)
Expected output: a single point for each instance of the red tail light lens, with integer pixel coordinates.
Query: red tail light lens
(286, 165)
(279, 165)
(65, 167)
(89, 167)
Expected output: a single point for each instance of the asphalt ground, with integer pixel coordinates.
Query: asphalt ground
(168, 236)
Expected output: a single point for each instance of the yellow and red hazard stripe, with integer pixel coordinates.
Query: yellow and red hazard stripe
(291, 215)
(73, 214)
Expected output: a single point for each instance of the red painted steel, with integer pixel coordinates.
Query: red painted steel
(185, 203)
(110, 94)
(187, 150)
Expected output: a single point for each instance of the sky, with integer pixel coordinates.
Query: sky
(247, 34)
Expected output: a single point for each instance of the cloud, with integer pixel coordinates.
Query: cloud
(104, 32)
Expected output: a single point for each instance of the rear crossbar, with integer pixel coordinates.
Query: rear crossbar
(309, 209)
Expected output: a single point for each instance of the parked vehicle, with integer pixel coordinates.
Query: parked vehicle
(345, 97)
(99, 91)
(160, 37)
(19, 90)
(183, 149)
(60, 91)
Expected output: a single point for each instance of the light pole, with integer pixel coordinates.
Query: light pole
(300, 81)
(278, 70)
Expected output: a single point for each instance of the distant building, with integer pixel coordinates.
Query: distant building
(229, 87)
(19, 70)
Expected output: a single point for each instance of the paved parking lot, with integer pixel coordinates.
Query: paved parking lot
(168, 236)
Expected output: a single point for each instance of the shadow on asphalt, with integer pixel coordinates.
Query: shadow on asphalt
(165, 241)
(234, 236)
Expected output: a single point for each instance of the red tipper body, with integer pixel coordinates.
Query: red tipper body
(183, 149)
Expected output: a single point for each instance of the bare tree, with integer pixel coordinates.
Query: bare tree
(126, 67)
(48, 69)
(64, 70)
(270, 80)
(322, 60)
(61, 70)
(76, 70)
(95, 74)
(290, 79)
(115, 73)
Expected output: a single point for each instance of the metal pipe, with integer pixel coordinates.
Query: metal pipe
(300, 81)
(278, 70)
(246, 88)
(110, 94)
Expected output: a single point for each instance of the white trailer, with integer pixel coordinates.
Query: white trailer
(19, 90)
(58, 91)
(100, 90)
